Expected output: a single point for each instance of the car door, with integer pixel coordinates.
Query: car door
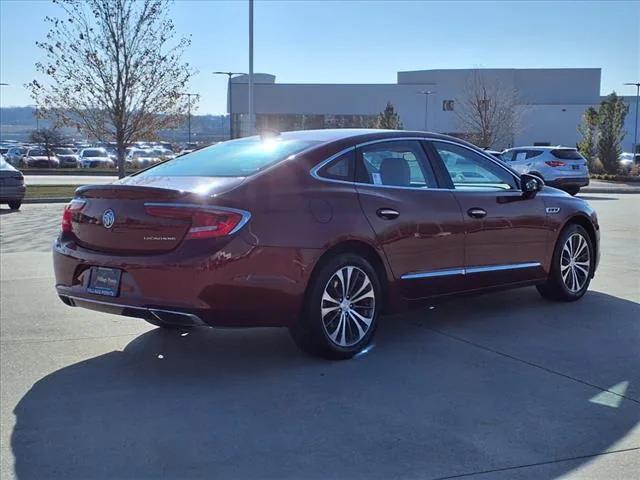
(506, 232)
(418, 225)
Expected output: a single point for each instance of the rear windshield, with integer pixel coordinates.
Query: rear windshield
(236, 158)
(566, 154)
(94, 153)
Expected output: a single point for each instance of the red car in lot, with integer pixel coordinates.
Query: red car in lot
(319, 231)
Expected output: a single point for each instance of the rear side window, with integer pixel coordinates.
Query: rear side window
(533, 153)
(340, 168)
(235, 158)
(397, 163)
(566, 154)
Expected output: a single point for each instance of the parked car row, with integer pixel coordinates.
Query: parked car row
(82, 155)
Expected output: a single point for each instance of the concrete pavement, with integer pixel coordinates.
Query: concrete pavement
(501, 386)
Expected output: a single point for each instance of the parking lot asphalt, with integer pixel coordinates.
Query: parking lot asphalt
(500, 386)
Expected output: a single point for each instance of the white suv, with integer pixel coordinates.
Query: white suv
(559, 167)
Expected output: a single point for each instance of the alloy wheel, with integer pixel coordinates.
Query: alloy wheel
(348, 306)
(575, 262)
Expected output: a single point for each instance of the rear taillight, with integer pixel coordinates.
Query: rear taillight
(555, 163)
(73, 206)
(205, 222)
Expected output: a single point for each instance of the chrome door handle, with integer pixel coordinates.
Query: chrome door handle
(387, 213)
(477, 212)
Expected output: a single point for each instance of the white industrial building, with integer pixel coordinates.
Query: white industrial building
(550, 102)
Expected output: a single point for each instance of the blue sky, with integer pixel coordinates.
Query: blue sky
(365, 41)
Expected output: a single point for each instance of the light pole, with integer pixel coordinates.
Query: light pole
(3, 85)
(230, 93)
(635, 136)
(426, 94)
(252, 123)
(189, 95)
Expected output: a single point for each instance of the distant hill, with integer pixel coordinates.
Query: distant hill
(16, 123)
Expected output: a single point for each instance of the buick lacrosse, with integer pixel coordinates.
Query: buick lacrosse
(321, 232)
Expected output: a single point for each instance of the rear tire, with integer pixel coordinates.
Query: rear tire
(15, 205)
(571, 266)
(341, 309)
(572, 190)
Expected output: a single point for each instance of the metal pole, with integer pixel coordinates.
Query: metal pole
(251, 111)
(635, 133)
(426, 94)
(189, 114)
(635, 138)
(230, 108)
(426, 112)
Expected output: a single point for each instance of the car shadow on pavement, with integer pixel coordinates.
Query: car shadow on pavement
(7, 211)
(467, 386)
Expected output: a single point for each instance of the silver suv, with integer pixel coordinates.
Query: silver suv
(559, 167)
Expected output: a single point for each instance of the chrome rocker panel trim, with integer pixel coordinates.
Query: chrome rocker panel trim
(468, 270)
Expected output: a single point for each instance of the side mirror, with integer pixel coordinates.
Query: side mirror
(530, 184)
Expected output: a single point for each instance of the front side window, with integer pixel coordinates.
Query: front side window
(397, 163)
(471, 171)
(235, 158)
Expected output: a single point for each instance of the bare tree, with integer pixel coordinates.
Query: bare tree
(488, 112)
(47, 137)
(114, 70)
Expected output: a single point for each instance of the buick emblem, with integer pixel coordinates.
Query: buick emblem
(108, 218)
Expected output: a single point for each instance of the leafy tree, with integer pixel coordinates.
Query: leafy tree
(47, 137)
(113, 69)
(388, 119)
(611, 115)
(588, 128)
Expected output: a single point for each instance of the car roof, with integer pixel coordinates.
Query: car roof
(543, 148)
(361, 134)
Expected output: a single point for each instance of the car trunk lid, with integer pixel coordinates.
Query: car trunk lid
(115, 218)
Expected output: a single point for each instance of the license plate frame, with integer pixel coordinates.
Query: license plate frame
(104, 281)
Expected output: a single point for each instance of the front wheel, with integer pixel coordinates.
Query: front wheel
(15, 205)
(572, 190)
(572, 266)
(341, 309)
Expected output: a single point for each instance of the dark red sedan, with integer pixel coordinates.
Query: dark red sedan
(319, 231)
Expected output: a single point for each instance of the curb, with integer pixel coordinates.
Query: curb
(616, 191)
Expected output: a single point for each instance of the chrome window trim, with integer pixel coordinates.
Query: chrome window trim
(314, 170)
(246, 216)
(469, 270)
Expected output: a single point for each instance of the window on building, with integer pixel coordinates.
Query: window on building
(447, 105)
(397, 163)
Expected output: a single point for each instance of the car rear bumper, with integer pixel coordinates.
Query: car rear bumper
(237, 285)
(12, 194)
(568, 182)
